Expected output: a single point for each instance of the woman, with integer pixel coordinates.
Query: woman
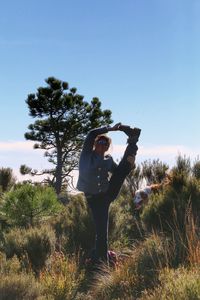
(94, 180)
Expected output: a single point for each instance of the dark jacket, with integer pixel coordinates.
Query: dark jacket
(94, 170)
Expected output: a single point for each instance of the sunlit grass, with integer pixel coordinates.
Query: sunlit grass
(62, 277)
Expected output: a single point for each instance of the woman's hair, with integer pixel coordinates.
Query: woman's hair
(103, 137)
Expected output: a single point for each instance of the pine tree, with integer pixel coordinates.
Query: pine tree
(63, 119)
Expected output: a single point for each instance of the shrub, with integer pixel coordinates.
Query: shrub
(62, 278)
(179, 219)
(167, 210)
(27, 205)
(19, 287)
(154, 171)
(196, 169)
(183, 165)
(150, 257)
(74, 226)
(39, 245)
(13, 242)
(193, 192)
(7, 179)
(182, 284)
(124, 226)
(32, 246)
(9, 266)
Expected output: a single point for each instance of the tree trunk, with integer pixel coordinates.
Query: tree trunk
(58, 182)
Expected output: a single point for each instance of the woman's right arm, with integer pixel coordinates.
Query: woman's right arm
(91, 136)
(93, 133)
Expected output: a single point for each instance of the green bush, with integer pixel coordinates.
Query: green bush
(167, 211)
(173, 212)
(183, 166)
(74, 226)
(181, 284)
(39, 245)
(19, 287)
(193, 191)
(196, 169)
(13, 242)
(62, 278)
(7, 179)
(9, 266)
(32, 246)
(27, 205)
(150, 257)
(154, 170)
(124, 226)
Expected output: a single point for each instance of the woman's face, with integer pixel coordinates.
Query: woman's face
(101, 146)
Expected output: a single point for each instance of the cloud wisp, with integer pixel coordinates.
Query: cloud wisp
(15, 153)
(159, 151)
(15, 146)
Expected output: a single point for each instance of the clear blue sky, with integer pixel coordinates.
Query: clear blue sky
(140, 57)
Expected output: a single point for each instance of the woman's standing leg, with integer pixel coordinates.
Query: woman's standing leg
(100, 209)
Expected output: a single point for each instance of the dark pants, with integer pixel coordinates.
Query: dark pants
(100, 203)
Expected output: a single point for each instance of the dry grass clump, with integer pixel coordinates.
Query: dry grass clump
(181, 284)
(62, 278)
(19, 287)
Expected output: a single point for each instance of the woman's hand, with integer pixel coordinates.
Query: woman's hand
(115, 127)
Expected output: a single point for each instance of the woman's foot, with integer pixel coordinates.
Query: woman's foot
(133, 133)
